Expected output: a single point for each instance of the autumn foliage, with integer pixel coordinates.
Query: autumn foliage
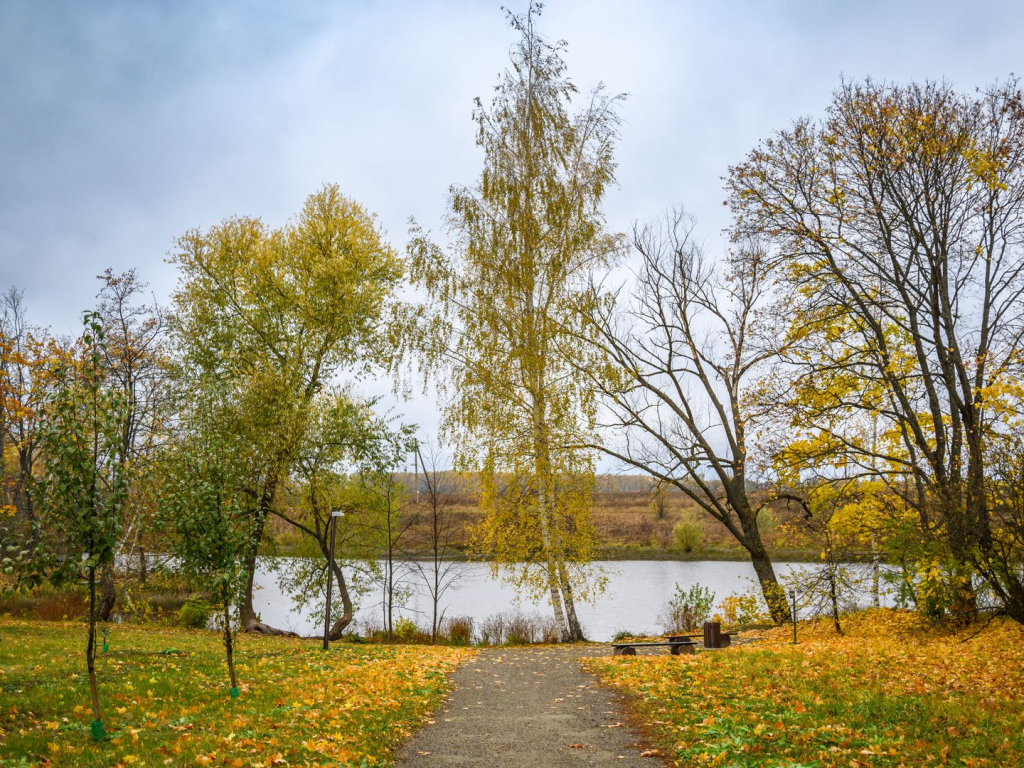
(893, 690)
(308, 708)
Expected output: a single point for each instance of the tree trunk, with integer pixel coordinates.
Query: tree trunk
(109, 597)
(773, 593)
(389, 587)
(770, 588)
(964, 545)
(23, 496)
(876, 573)
(90, 656)
(435, 596)
(556, 602)
(575, 630)
(247, 614)
(833, 591)
(247, 617)
(552, 575)
(345, 619)
(229, 647)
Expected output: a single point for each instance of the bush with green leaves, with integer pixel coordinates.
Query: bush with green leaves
(406, 631)
(195, 614)
(745, 609)
(689, 534)
(688, 609)
(202, 511)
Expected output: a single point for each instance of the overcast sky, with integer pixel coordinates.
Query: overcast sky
(123, 124)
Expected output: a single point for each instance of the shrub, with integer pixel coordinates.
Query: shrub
(458, 629)
(623, 634)
(492, 630)
(744, 609)
(406, 631)
(550, 632)
(688, 609)
(940, 589)
(195, 614)
(46, 603)
(689, 534)
(521, 629)
(518, 628)
(372, 627)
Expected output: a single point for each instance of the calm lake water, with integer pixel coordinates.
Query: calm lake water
(637, 593)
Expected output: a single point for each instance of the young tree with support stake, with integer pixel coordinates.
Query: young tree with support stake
(523, 240)
(201, 507)
(82, 491)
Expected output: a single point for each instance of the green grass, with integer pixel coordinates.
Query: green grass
(165, 698)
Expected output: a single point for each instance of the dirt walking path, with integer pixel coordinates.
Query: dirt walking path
(529, 707)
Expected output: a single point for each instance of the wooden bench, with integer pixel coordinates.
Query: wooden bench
(676, 647)
(725, 639)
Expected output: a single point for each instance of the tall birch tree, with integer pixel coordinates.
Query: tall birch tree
(523, 240)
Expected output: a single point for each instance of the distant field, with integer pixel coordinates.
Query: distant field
(627, 523)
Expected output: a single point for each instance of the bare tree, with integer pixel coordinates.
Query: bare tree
(385, 521)
(683, 349)
(136, 359)
(22, 400)
(440, 572)
(832, 584)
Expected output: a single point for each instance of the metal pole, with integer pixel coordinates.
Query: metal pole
(335, 514)
(416, 463)
(792, 594)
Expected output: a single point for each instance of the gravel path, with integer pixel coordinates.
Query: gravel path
(529, 707)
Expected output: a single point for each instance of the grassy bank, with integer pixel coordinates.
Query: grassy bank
(718, 553)
(892, 691)
(627, 528)
(165, 698)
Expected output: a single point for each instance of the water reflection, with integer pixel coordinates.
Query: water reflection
(637, 592)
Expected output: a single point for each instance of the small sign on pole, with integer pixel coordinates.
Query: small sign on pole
(792, 595)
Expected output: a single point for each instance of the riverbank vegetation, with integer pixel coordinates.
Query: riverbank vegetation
(893, 690)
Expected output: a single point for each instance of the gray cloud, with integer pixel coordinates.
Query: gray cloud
(123, 124)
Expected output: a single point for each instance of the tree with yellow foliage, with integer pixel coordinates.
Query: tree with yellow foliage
(501, 304)
(896, 224)
(273, 315)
